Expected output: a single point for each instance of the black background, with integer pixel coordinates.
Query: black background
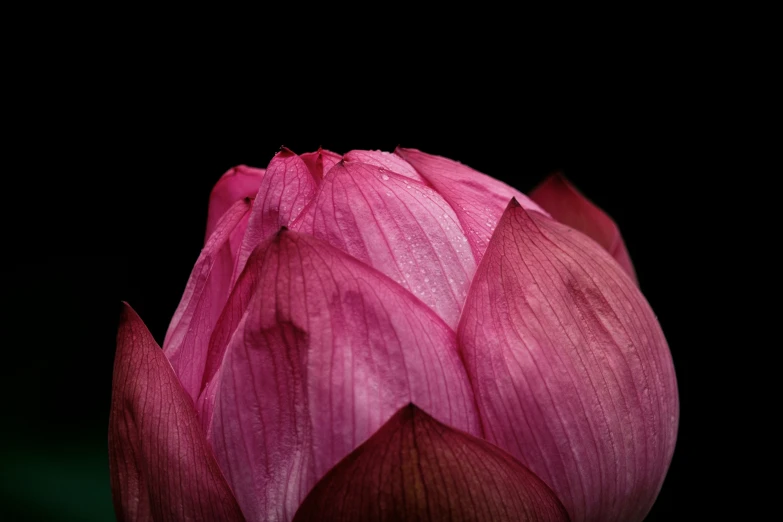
(109, 203)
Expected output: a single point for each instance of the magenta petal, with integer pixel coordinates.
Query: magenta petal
(571, 370)
(558, 197)
(325, 351)
(386, 160)
(160, 464)
(320, 162)
(235, 185)
(287, 187)
(399, 227)
(187, 338)
(477, 199)
(416, 468)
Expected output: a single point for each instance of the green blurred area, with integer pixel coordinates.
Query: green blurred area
(60, 322)
(55, 482)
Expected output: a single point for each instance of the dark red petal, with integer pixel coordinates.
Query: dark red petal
(570, 368)
(567, 205)
(417, 469)
(238, 183)
(160, 464)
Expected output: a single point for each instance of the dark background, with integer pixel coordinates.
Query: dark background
(109, 203)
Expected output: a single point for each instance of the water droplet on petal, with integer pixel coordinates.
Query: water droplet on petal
(385, 177)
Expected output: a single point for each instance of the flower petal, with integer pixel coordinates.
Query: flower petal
(235, 185)
(286, 188)
(325, 351)
(571, 370)
(399, 227)
(160, 464)
(187, 338)
(561, 199)
(477, 199)
(320, 162)
(386, 160)
(416, 468)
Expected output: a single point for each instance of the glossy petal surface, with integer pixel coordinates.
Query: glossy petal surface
(160, 464)
(477, 199)
(325, 351)
(187, 338)
(564, 203)
(417, 469)
(235, 185)
(571, 371)
(397, 226)
(385, 160)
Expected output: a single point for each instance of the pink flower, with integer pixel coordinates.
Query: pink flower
(382, 336)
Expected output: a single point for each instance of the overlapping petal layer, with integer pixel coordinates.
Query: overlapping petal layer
(571, 371)
(161, 466)
(287, 187)
(235, 185)
(477, 199)
(385, 160)
(187, 338)
(416, 468)
(399, 227)
(325, 350)
(564, 203)
(320, 162)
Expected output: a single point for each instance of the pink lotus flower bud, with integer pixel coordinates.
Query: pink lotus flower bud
(381, 336)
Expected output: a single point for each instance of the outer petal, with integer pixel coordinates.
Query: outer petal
(570, 368)
(286, 188)
(398, 226)
(558, 197)
(326, 351)
(386, 160)
(320, 162)
(478, 200)
(208, 288)
(235, 185)
(161, 467)
(415, 468)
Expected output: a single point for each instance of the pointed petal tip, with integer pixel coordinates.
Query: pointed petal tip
(563, 200)
(556, 180)
(127, 313)
(285, 152)
(417, 468)
(160, 464)
(581, 321)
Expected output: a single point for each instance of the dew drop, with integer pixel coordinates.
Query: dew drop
(385, 177)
